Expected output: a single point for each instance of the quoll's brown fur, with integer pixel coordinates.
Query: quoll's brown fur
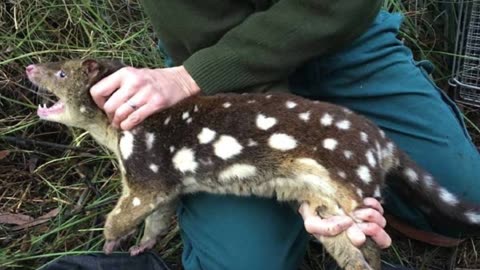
(279, 146)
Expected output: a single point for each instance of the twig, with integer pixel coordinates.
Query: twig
(25, 141)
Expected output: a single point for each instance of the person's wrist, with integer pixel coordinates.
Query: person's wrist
(188, 83)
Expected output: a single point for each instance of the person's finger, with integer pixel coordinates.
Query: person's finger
(137, 117)
(325, 227)
(370, 215)
(356, 235)
(133, 104)
(373, 203)
(306, 211)
(105, 87)
(377, 234)
(118, 98)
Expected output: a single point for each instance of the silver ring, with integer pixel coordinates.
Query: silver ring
(133, 106)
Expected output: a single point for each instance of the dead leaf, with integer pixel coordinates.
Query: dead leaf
(17, 219)
(39, 220)
(4, 154)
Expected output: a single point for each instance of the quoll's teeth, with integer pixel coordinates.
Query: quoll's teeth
(39, 106)
(44, 105)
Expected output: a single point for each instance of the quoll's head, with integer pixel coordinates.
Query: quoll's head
(70, 82)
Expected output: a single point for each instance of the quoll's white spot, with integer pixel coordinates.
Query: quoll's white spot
(172, 148)
(252, 143)
(371, 158)
(330, 144)
(264, 122)
(195, 109)
(268, 96)
(206, 135)
(348, 154)
(154, 168)
(344, 124)
(326, 119)
(136, 201)
(364, 173)
(117, 211)
(251, 101)
(149, 140)
(382, 133)
(473, 217)
(304, 116)
(342, 174)
(447, 196)
(359, 193)
(185, 115)
(184, 160)
(167, 120)
(388, 151)
(282, 142)
(347, 111)
(364, 136)
(126, 144)
(226, 147)
(83, 109)
(290, 104)
(411, 175)
(377, 193)
(189, 120)
(428, 181)
(227, 104)
(237, 171)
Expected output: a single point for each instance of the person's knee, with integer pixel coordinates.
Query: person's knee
(226, 232)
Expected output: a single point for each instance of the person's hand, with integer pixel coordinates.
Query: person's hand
(130, 95)
(373, 225)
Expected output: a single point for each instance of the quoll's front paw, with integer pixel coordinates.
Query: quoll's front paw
(142, 247)
(110, 246)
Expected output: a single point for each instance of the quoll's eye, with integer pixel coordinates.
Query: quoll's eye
(61, 74)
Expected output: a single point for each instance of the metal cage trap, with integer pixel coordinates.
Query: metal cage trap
(466, 63)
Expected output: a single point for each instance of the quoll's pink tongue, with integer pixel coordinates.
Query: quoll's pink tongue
(44, 111)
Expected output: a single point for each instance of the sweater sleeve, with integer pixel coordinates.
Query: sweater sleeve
(269, 45)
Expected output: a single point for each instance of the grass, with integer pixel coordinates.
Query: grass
(52, 167)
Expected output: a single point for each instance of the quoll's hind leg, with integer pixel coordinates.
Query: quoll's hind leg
(131, 209)
(156, 224)
(340, 247)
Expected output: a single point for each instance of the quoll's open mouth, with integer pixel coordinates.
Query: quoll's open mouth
(43, 111)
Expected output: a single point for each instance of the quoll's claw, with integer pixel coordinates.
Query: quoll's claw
(142, 247)
(110, 246)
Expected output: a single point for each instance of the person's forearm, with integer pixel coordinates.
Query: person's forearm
(269, 45)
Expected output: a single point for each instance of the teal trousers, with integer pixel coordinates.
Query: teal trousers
(377, 77)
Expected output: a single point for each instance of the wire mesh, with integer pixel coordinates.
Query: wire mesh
(466, 63)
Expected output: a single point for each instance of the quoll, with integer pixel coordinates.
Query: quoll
(278, 145)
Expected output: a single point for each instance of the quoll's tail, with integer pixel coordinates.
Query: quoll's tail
(419, 187)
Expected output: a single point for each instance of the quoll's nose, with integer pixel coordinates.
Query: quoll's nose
(30, 68)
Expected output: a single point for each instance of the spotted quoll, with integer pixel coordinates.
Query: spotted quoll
(280, 146)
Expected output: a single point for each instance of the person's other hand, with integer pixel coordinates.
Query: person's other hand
(130, 95)
(373, 225)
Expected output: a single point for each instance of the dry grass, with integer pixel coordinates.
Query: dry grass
(49, 169)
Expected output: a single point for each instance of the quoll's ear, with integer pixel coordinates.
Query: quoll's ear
(98, 69)
(92, 69)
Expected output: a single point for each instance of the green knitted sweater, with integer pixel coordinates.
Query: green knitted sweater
(229, 45)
